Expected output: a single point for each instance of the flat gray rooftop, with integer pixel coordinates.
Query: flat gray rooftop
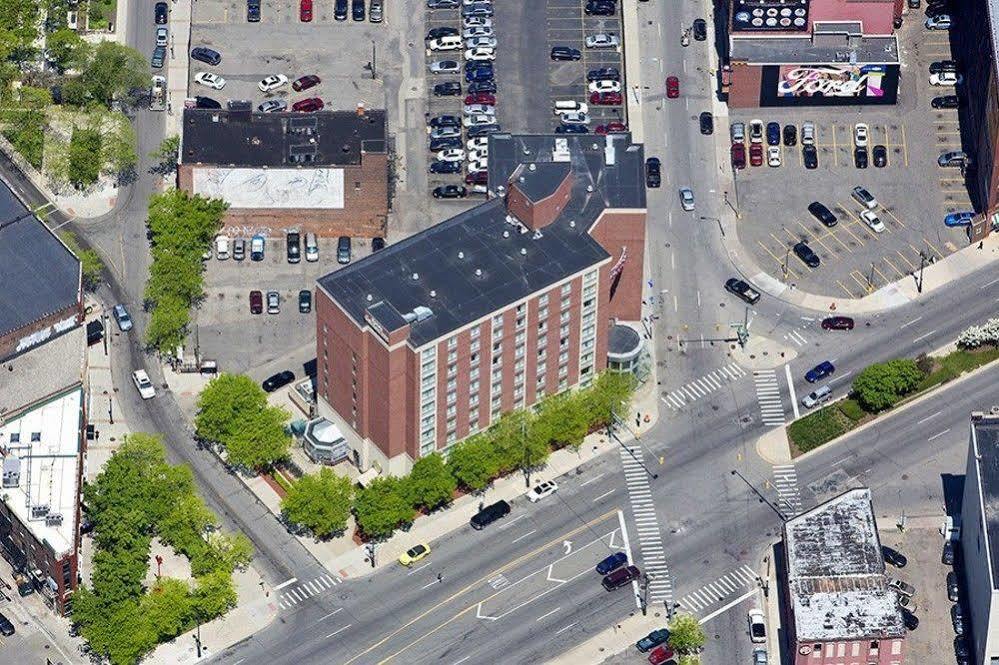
(38, 274)
(986, 433)
(801, 51)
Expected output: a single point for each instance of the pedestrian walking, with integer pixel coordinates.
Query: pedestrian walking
(440, 577)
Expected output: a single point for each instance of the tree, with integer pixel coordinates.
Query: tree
(381, 507)
(93, 267)
(168, 323)
(184, 527)
(607, 396)
(685, 634)
(224, 401)
(214, 595)
(113, 70)
(84, 160)
(430, 484)
(168, 608)
(224, 552)
(118, 154)
(473, 462)
(260, 439)
(881, 385)
(167, 150)
(320, 502)
(64, 48)
(18, 29)
(562, 420)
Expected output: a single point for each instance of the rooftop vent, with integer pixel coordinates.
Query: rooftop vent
(415, 276)
(523, 251)
(533, 167)
(478, 272)
(53, 519)
(370, 297)
(589, 189)
(433, 293)
(11, 471)
(537, 235)
(38, 512)
(506, 233)
(572, 223)
(461, 255)
(419, 313)
(561, 151)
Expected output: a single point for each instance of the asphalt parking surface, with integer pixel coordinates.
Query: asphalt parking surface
(855, 260)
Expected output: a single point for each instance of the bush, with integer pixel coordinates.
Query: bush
(880, 386)
(93, 267)
(817, 428)
(986, 334)
(84, 157)
(852, 410)
(924, 363)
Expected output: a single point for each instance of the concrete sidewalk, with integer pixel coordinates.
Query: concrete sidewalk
(633, 70)
(617, 639)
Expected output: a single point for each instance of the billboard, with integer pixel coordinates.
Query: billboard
(828, 84)
(770, 15)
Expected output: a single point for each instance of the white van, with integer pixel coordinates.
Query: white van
(222, 248)
(563, 106)
(446, 43)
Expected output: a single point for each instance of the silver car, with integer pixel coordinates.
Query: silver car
(760, 657)
(738, 132)
(273, 106)
(603, 40)
(687, 199)
(445, 67)
(273, 302)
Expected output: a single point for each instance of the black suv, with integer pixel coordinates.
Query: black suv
(447, 89)
(700, 29)
(446, 31)
(279, 380)
(253, 11)
(822, 213)
(206, 55)
(357, 10)
(653, 172)
(489, 514)
(6, 627)
(565, 53)
(450, 192)
(206, 103)
(707, 123)
(604, 74)
(743, 290)
(294, 240)
(160, 11)
(805, 253)
(340, 10)
(305, 301)
(894, 557)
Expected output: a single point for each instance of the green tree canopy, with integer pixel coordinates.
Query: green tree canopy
(84, 157)
(112, 70)
(381, 507)
(168, 607)
(93, 267)
(474, 462)
(64, 48)
(685, 634)
(260, 440)
(18, 29)
(320, 502)
(430, 484)
(233, 411)
(881, 385)
(214, 595)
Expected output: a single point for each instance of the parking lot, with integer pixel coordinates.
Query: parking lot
(912, 191)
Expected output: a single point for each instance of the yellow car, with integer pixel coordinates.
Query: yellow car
(414, 554)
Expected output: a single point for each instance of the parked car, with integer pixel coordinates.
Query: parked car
(773, 133)
(620, 577)
(757, 626)
(837, 323)
(305, 11)
(257, 248)
(357, 10)
(860, 158)
(600, 8)
(340, 10)
(738, 156)
(953, 158)
(653, 172)
(938, 22)
(773, 156)
(306, 82)
(443, 4)
(816, 397)
(805, 253)
(910, 620)
(604, 73)
(808, 133)
(872, 220)
(894, 557)
(565, 53)
(602, 40)
(160, 11)
(542, 490)
(606, 99)
(206, 55)
(945, 102)
(957, 618)
(376, 11)
(206, 103)
(143, 384)
(272, 105)
(943, 66)
(948, 553)
(810, 157)
(444, 67)
(756, 154)
(293, 243)
(700, 29)
(209, 80)
(946, 78)
(304, 301)
(962, 218)
(122, 318)
(953, 591)
(864, 198)
(961, 650)
(482, 130)
(821, 371)
(861, 135)
(610, 128)
(880, 155)
(222, 247)
(253, 11)
(612, 563)
(414, 554)
(756, 131)
(903, 588)
(279, 380)
(6, 627)
(742, 290)
(822, 213)
(482, 86)
(309, 105)
(486, 98)
(706, 122)
(489, 514)
(158, 57)
(377, 244)
(343, 249)
(256, 302)
(661, 655)
(273, 302)
(737, 131)
(652, 640)
(272, 82)
(450, 192)
(760, 657)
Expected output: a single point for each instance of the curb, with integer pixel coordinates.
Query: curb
(900, 408)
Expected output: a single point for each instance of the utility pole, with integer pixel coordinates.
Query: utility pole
(643, 585)
(615, 420)
(784, 267)
(197, 637)
(735, 189)
(922, 264)
(759, 495)
(870, 278)
(374, 55)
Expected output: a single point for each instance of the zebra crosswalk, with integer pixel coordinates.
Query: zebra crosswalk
(796, 338)
(650, 539)
(293, 595)
(737, 581)
(768, 395)
(694, 390)
(786, 483)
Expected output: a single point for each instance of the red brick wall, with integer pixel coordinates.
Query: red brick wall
(363, 215)
(539, 214)
(744, 93)
(830, 652)
(9, 342)
(614, 231)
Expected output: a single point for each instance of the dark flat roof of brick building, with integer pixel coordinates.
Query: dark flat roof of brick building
(482, 260)
(326, 138)
(38, 274)
(986, 433)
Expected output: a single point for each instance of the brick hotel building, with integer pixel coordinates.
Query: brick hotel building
(433, 338)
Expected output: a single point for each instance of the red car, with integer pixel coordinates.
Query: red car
(308, 105)
(256, 302)
(837, 323)
(738, 156)
(605, 98)
(477, 178)
(660, 655)
(306, 82)
(756, 154)
(672, 87)
(611, 128)
(305, 11)
(487, 98)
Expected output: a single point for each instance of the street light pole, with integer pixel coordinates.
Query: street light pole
(784, 269)
(610, 433)
(644, 598)
(922, 264)
(527, 466)
(373, 60)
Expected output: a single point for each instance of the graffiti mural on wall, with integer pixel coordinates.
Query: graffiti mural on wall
(831, 81)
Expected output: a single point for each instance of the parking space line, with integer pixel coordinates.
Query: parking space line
(835, 237)
(911, 264)
(846, 227)
(893, 216)
(849, 294)
(875, 268)
(808, 235)
(893, 267)
(779, 260)
(862, 281)
(930, 245)
(835, 149)
(856, 221)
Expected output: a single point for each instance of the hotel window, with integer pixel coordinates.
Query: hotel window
(451, 396)
(427, 420)
(541, 371)
(473, 401)
(542, 343)
(588, 331)
(452, 411)
(473, 420)
(563, 357)
(519, 365)
(519, 339)
(567, 288)
(474, 346)
(452, 356)
(452, 384)
(563, 370)
(428, 407)
(566, 301)
(497, 361)
(588, 318)
(542, 328)
(451, 424)
(496, 401)
(588, 344)
(564, 342)
(587, 358)
(563, 330)
(497, 346)
(452, 436)
(521, 321)
(474, 332)
(473, 387)
(543, 300)
(427, 394)
(563, 384)
(428, 433)
(565, 317)
(473, 375)
(543, 312)
(518, 393)
(474, 359)
(519, 353)
(452, 343)
(452, 369)
(428, 382)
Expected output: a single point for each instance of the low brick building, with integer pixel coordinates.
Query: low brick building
(324, 172)
(433, 338)
(839, 608)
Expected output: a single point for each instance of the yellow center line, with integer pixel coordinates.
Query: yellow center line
(911, 264)
(849, 293)
(468, 588)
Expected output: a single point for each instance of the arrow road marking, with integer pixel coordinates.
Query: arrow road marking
(567, 544)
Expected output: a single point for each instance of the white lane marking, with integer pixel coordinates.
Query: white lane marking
(923, 336)
(790, 388)
(728, 607)
(676, 306)
(548, 614)
(513, 521)
(459, 662)
(285, 583)
(591, 480)
(604, 495)
(519, 538)
(417, 569)
(429, 584)
(987, 285)
(937, 436)
(337, 632)
(560, 630)
(329, 615)
(929, 417)
(627, 553)
(906, 325)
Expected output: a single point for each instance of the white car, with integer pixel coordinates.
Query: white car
(476, 120)
(475, 167)
(542, 490)
(757, 627)
(480, 54)
(143, 384)
(760, 657)
(773, 155)
(946, 78)
(808, 133)
(938, 22)
(603, 40)
(162, 36)
(449, 43)
(478, 143)
(479, 109)
(872, 220)
(605, 86)
(577, 118)
(860, 135)
(756, 131)
(478, 155)
(687, 199)
(480, 42)
(451, 155)
(272, 82)
(477, 22)
(209, 80)
(477, 31)
(563, 106)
